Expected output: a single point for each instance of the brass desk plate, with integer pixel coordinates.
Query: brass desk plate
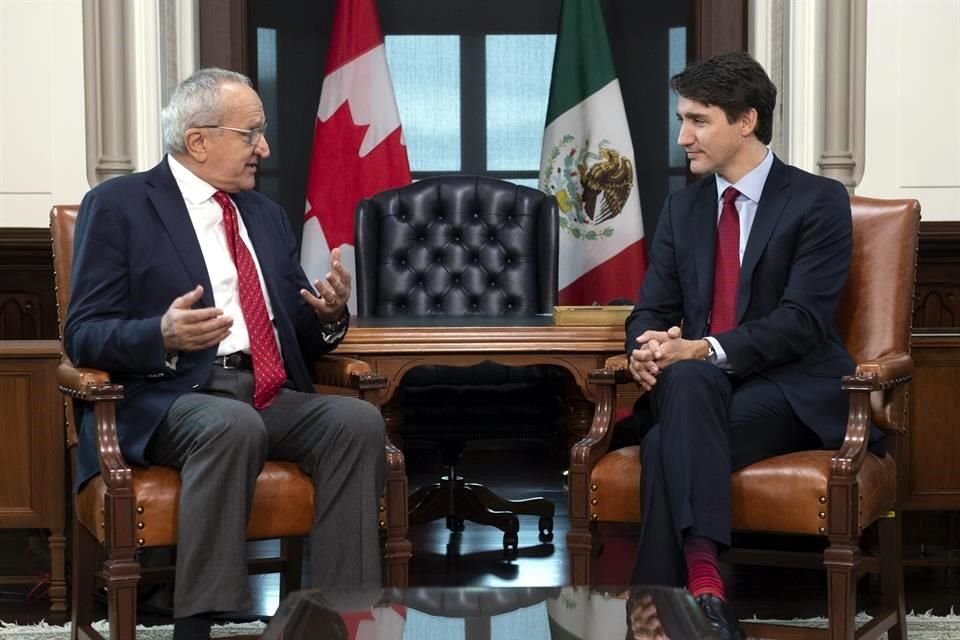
(590, 315)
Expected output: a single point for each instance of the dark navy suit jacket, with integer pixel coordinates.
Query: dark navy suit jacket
(135, 250)
(791, 277)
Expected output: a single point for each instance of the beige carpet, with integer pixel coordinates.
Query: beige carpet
(49, 632)
(919, 627)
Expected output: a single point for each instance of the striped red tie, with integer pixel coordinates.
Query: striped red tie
(726, 271)
(268, 371)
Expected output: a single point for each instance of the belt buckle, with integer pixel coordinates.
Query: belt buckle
(231, 361)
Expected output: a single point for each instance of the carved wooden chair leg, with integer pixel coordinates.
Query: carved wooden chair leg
(121, 571)
(85, 548)
(291, 557)
(839, 561)
(394, 520)
(891, 573)
(579, 546)
(57, 543)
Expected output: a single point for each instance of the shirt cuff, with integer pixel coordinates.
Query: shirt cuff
(719, 355)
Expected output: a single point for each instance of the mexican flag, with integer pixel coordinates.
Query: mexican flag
(358, 147)
(587, 162)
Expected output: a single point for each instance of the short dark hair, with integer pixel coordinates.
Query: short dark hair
(735, 82)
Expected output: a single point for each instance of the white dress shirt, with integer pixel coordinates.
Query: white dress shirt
(207, 218)
(750, 187)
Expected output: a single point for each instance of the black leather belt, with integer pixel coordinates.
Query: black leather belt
(236, 360)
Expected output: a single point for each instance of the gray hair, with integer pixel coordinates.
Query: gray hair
(195, 102)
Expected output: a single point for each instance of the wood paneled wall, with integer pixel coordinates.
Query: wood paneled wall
(28, 306)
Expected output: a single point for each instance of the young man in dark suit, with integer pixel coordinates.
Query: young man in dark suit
(733, 337)
(187, 288)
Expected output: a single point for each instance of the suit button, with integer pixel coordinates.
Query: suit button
(196, 386)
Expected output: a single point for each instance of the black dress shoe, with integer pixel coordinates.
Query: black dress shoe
(721, 617)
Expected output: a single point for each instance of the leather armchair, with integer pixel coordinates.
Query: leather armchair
(830, 494)
(472, 247)
(127, 508)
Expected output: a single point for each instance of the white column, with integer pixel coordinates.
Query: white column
(844, 89)
(107, 80)
(803, 82)
(135, 53)
(766, 44)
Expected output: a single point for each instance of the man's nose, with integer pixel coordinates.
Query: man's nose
(263, 147)
(685, 137)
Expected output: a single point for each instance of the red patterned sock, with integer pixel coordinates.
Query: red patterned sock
(703, 573)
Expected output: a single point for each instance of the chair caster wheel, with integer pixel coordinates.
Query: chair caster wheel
(455, 524)
(546, 528)
(510, 543)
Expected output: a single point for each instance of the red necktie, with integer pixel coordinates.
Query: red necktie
(726, 271)
(268, 371)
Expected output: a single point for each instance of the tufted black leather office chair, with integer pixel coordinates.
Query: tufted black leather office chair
(465, 246)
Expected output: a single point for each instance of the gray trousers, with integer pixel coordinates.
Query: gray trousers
(219, 442)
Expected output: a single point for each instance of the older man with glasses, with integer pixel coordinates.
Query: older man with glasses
(188, 290)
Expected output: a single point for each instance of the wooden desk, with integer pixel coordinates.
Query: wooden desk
(32, 459)
(393, 346)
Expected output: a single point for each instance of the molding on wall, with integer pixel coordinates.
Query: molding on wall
(144, 27)
(766, 37)
(803, 93)
(108, 94)
(844, 90)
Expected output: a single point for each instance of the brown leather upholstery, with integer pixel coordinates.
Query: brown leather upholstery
(126, 508)
(786, 494)
(282, 504)
(836, 494)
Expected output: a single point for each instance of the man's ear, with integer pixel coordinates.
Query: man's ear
(196, 143)
(748, 122)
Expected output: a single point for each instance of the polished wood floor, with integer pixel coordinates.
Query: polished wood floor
(475, 556)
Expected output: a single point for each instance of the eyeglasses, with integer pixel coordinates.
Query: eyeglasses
(251, 136)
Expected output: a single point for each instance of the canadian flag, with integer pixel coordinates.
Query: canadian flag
(358, 147)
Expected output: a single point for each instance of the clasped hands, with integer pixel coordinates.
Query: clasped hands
(657, 350)
(187, 329)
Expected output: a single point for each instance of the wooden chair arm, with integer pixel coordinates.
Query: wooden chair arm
(614, 372)
(94, 386)
(348, 373)
(883, 381)
(595, 444)
(89, 385)
(891, 370)
(877, 394)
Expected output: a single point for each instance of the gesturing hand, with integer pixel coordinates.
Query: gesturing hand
(187, 329)
(334, 291)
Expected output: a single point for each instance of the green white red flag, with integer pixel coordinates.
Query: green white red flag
(587, 162)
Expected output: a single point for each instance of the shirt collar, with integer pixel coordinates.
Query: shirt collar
(750, 185)
(194, 189)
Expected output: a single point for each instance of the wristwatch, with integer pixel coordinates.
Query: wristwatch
(333, 330)
(711, 354)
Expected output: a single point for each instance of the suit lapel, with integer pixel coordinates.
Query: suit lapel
(704, 234)
(773, 200)
(169, 206)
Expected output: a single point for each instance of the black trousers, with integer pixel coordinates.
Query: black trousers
(704, 425)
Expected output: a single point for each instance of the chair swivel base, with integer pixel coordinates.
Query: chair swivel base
(457, 501)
